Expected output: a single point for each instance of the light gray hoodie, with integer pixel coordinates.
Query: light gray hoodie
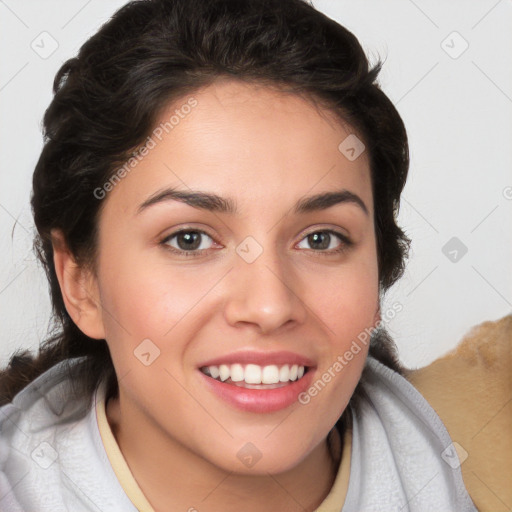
(52, 458)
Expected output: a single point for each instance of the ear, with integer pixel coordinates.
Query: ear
(79, 289)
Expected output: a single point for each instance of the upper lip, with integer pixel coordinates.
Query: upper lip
(260, 358)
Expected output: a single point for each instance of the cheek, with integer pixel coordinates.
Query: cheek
(143, 300)
(352, 307)
(346, 310)
(346, 303)
(348, 299)
(147, 299)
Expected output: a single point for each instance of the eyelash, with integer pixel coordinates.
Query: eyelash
(345, 241)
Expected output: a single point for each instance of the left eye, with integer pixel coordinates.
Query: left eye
(324, 240)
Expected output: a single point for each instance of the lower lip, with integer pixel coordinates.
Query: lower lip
(259, 400)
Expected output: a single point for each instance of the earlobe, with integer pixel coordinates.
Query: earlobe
(79, 289)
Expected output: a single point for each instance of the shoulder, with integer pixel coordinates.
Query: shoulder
(470, 388)
(40, 405)
(34, 427)
(51, 452)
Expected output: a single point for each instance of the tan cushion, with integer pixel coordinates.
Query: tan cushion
(471, 390)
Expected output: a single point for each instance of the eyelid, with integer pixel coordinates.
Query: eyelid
(337, 231)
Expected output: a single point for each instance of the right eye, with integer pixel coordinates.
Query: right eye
(186, 242)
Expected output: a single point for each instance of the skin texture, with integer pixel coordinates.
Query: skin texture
(266, 149)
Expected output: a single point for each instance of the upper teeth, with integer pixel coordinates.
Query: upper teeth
(254, 374)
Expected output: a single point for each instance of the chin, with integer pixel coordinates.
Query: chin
(261, 458)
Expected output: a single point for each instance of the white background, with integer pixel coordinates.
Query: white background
(458, 113)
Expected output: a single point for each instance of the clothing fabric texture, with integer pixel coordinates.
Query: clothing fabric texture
(57, 455)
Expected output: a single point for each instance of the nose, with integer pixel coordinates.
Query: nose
(264, 293)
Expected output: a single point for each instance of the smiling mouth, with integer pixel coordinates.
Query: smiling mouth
(252, 376)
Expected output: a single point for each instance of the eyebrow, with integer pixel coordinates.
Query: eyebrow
(215, 203)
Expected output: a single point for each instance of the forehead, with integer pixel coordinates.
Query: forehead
(246, 141)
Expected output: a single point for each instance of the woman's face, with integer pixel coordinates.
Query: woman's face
(251, 290)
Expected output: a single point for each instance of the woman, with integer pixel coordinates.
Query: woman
(216, 209)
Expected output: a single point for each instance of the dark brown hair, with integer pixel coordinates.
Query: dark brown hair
(151, 52)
